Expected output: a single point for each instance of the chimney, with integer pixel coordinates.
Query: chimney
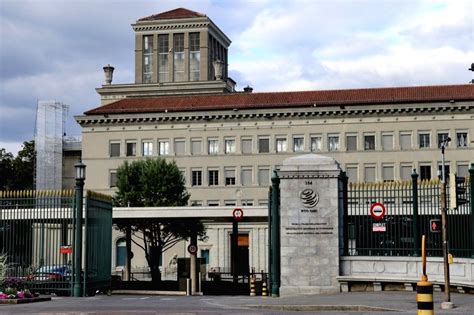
(109, 73)
(248, 89)
(218, 67)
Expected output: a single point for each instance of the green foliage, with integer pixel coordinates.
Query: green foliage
(154, 183)
(150, 183)
(17, 173)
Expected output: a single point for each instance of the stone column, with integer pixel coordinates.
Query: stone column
(310, 231)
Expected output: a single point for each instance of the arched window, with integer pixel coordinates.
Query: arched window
(121, 252)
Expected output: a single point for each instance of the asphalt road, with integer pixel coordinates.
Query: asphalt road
(343, 303)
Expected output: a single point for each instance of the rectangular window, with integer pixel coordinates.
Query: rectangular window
(263, 202)
(388, 173)
(405, 141)
(461, 139)
(298, 144)
(230, 203)
(196, 178)
(351, 143)
(205, 256)
(196, 146)
(246, 177)
(229, 177)
(446, 171)
(442, 136)
(213, 177)
(113, 179)
(333, 143)
(352, 173)
(263, 145)
(405, 172)
(246, 146)
(462, 170)
(178, 49)
(147, 58)
(163, 64)
(164, 147)
(179, 147)
(369, 173)
(387, 142)
(369, 142)
(114, 149)
(213, 203)
(316, 144)
(425, 172)
(281, 144)
(424, 139)
(263, 176)
(247, 202)
(194, 57)
(229, 146)
(131, 148)
(147, 148)
(213, 146)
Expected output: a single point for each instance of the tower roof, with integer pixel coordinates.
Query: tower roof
(179, 13)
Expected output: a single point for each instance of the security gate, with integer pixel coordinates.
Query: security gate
(37, 237)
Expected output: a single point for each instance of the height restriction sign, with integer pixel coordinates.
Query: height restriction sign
(377, 211)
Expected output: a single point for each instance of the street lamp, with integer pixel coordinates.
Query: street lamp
(80, 178)
(471, 69)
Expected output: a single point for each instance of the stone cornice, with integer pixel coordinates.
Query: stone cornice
(308, 174)
(278, 114)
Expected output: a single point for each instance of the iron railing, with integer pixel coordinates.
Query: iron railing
(410, 207)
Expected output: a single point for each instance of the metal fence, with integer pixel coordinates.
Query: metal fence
(410, 206)
(37, 237)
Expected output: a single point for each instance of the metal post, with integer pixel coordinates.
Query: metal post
(128, 246)
(234, 240)
(77, 290)
(275, 235)
(192, 266)
(269, 233)
(471, 183)
(414, 187)
(344, 180)
(447, 304)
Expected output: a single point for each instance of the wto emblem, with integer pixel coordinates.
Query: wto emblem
(309, 198)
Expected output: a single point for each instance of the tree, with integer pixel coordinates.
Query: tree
(154, 183)
(17, 173)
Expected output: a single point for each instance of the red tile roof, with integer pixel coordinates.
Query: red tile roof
(352, 97)
(179, 13)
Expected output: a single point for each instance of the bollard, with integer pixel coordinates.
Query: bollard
(424, 297)
(252, 286)
(264, 286)
(424, 288)
(188, 287)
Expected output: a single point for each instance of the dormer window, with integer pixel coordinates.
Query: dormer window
(147, 58)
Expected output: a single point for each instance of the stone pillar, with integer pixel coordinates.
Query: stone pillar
(310, 230)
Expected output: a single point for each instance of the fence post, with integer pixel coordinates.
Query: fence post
(414, 186)
(344, 180)
(471, 182)
(275, 235)
(80, 177)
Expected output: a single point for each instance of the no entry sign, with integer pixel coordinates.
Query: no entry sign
(377, 211)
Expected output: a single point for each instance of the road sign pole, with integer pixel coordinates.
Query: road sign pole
(447, 304)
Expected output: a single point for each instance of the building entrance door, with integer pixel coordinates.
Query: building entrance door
(242, 255)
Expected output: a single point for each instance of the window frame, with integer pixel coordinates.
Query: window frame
(320, 137)
(196, 181)
(295, 139)
(213, 177)
(263, 138)
(423, 144)
(214, 146)
(233, 148)
(167, 150)
(280, 146)
(338, 146)
(115, 142)
(369, 146)
(466, 141)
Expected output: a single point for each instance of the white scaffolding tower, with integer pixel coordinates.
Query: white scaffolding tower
(50, 126)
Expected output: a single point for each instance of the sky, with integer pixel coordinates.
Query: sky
(55, 50)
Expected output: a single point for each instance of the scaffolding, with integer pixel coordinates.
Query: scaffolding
(50, 127)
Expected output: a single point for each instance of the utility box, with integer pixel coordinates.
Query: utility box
(184, 270)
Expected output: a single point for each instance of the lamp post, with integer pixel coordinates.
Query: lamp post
(471, 69)
(447, 304)
(80, 177)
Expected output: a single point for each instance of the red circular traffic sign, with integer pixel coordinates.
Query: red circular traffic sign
(192, 249)
(377, 210)
(238, 214)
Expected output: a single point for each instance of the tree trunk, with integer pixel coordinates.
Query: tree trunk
(154, 264)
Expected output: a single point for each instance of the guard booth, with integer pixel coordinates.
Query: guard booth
(37, 237)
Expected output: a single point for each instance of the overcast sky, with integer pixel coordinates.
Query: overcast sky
(55, 50)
